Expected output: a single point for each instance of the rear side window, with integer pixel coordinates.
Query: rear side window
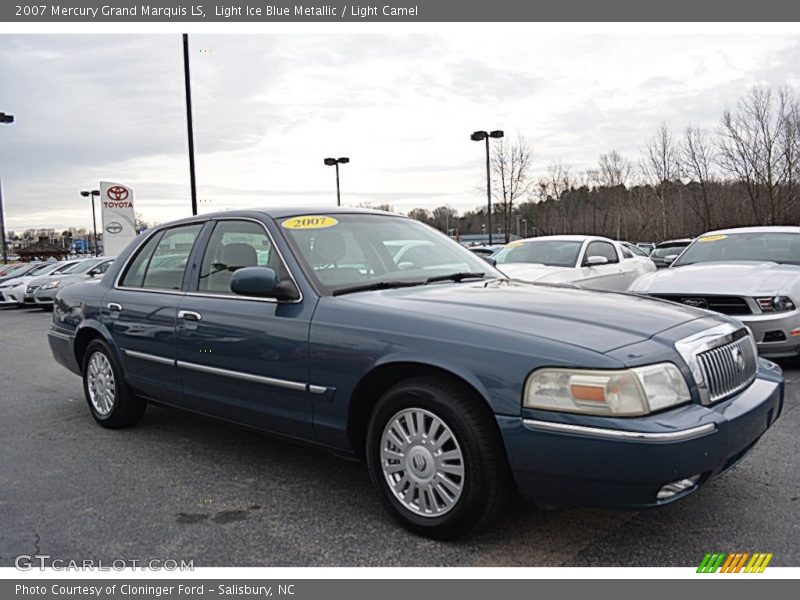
(161, 262)
(602, 249)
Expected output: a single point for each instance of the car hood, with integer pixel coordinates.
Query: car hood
(600, 321)
(537, 272)
(746, 278)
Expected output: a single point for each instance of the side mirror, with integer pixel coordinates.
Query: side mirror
(93, 272)
(671, 258)
(593, 261)
(261, 282)
(490, 260)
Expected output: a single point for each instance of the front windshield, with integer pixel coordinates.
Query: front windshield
(344, 251)
(84, 266)
(552, 253)
(762, 247)
(42, 269)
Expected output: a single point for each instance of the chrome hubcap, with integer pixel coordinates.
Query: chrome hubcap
(101, 383)
(422, 462)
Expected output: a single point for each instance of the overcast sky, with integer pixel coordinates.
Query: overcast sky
(269, 108)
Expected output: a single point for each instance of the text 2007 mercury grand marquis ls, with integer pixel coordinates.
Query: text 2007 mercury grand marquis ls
(371, 333)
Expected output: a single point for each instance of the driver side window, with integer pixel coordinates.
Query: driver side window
(234, 245)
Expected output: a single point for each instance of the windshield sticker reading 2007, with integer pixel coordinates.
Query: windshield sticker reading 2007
(309, 222)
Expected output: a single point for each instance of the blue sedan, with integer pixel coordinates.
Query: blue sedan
(369, 333)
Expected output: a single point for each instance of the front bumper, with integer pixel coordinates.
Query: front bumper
(47, 296)
(561, 459)
(766, 327)
(10, 297)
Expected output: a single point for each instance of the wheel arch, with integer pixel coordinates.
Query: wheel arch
(384, 376)
(88, 331)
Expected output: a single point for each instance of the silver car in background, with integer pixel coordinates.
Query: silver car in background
(45, 295)
(749, 273)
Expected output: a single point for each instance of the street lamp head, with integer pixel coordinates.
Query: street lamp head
(478, 136)
(497, 133)
(330, 161)
(95, 192)
(343, 160)
(85, 193)
(6, 119)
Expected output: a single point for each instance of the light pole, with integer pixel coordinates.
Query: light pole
(335, 162)
(479, 136)
(5, 120)
(92, 194)
(187, 83)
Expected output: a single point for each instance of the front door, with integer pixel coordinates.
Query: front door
(244, 358)
(608, 276)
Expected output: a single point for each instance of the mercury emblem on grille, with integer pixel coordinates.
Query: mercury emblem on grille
(738, 359)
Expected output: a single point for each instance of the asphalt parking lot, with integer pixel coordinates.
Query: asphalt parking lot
(182, 487)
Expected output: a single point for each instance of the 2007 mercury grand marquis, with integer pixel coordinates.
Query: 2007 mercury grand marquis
(371, 333)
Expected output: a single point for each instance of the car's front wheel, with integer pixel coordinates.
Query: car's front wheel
(112, 402)
(434, 454)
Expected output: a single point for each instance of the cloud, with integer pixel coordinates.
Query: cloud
(269, 108)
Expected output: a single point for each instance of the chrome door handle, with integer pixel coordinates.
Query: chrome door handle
(114, 307)
(188, 315)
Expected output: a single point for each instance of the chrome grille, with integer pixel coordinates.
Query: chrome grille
(729, 368)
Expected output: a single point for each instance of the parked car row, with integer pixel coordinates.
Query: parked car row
(749, 273)
(36, 284)
(371, 334)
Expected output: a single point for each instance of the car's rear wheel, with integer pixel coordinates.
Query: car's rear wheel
(111, 401)
(435, 457)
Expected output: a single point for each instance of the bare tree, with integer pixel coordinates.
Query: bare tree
(696, 153)
(758, 147)
(613, 173)
(511, 164)
(660, 167)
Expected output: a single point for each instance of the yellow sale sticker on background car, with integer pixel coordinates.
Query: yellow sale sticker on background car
(712, 238)
(310, 222)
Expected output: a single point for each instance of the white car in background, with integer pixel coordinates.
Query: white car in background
(12, 291)
(585, 261)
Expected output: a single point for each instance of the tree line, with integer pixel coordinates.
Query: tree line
(746, 171)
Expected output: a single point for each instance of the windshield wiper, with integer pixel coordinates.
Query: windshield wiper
(377, 285)
(457, 277)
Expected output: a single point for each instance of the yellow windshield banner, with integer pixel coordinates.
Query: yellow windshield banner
(712, 238)
(309, 222)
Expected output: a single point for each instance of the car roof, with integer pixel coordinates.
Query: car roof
(283, 212)
(567, 238)
(673, 242)
(757, 229)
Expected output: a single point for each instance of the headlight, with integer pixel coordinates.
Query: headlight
(51, 285)
(624, 393)
(775, 304)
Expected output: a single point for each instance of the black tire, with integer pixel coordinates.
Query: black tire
(486, 481)
(126, 408)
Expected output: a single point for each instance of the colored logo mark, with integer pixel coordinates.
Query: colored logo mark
(738, 562)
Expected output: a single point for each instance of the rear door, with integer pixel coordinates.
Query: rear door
(142, 309)
(244, 358)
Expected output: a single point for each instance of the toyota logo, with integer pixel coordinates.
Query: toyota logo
(738, 359)
(114, 227)
(117, 192)
(695, 302)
